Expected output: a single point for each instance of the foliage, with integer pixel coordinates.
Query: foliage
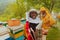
(18, 8)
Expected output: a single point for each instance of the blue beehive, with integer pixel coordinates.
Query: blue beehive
(10, 38)
(20, 38)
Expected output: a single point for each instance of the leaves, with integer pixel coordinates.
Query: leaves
(18, 8)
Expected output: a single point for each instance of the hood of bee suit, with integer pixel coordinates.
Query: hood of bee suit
(27, 14)
(45, 9)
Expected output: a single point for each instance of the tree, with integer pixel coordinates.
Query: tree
(50, 4)
(18, 8)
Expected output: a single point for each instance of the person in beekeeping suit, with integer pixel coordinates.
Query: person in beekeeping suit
(47, 19)
(33, 20)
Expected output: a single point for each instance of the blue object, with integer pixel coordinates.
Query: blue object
(20, 38)
(10, 38)
(23, 21)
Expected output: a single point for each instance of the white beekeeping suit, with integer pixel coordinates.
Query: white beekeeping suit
(37, 20)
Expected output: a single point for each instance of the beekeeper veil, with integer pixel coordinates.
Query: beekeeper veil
(28, 17)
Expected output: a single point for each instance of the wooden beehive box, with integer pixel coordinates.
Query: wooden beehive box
(13, 22)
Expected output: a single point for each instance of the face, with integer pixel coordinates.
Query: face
(43, 14)
(33, 15)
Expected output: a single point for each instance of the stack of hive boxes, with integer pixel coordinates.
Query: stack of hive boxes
(4, 33)
(16, 29)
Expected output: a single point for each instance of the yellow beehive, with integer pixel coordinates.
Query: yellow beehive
(18, 34)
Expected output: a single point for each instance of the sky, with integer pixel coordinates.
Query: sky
(4, 3)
